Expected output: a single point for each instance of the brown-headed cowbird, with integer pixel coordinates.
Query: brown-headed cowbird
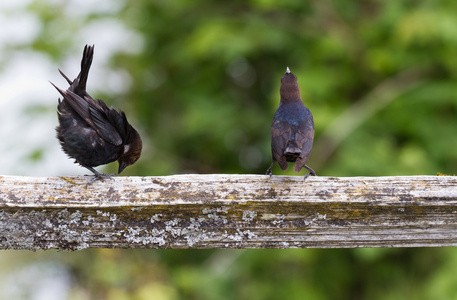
(292, 129)
(91, 132)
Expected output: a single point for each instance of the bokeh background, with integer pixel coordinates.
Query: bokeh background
(200, 81)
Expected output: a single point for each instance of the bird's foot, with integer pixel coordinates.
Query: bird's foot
(98, 176)
(307, 175)
(269, 169)
(105, 176)
(311, 173)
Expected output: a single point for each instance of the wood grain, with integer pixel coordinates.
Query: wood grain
(227, 211)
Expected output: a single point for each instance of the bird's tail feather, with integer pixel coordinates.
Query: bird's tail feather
(292, 152)
(86, 62)
(292, 149)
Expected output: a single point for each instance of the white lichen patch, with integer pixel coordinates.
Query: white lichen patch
(321, 217)
(217, 218)
(145, 237)
(172, 227)
(156, 218)
(279, 219)
(215, 214)
(249, 215)
(63, 213)
(317, 217)
(235, 237)
(103, 214)
(193, 233)
(285, 245)
(88, 221)
(176, 230)
(223, 209)
(249, 234)
(47, 223)
(43, 230)
(75, 217)
(14, 235)
(239, 235)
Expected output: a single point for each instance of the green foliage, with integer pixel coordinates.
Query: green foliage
(206, 84)
(204, 87)
(426, 273)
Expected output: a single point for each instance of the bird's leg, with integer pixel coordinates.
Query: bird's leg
(269, 169)
(97, 175)
(311, 172)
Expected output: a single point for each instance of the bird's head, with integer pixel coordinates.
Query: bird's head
(132, 150)
(289, 89)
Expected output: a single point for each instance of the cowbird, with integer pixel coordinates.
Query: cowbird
(292, 129)
(91, 132)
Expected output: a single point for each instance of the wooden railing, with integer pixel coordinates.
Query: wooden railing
(227, 211)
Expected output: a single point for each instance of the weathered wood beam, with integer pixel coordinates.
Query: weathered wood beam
(227, 211)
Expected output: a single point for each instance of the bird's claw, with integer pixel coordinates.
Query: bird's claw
(312, 173)
(98, 176)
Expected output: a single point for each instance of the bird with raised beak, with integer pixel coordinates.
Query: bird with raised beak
(292, 129)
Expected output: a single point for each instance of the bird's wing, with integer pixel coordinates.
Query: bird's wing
(280, 136)
(78, 104)
(93, 113)
(304, 139)
(305, 136)
(99, 113)
(119, 120)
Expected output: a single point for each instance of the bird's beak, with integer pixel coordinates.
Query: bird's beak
(122, 166)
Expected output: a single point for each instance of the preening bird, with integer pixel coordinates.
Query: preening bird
(292, 129)
(91, 132)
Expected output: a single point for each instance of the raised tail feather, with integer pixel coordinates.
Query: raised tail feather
(80, 86)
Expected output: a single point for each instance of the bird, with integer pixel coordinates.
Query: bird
(91, 132)
(292, 129)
